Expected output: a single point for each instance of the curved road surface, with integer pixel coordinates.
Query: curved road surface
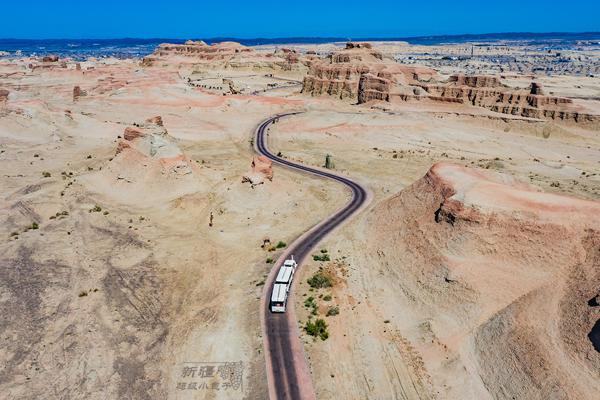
(287, 370)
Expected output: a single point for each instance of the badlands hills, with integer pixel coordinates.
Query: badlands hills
(138, 225)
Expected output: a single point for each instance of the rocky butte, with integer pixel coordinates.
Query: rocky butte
(223, 55)
(340, 75)
(504, 273)
(488, 92)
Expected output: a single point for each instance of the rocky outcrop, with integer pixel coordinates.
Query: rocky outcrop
(50, 58)
(261, 168)
(78, 92)
(537, 89)
(475, 81)
(340, 74)
(488, 92)
(231, 86)
(223, 55)
(503, 272)
(3, 96)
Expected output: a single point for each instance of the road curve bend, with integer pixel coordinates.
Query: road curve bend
(288, 374)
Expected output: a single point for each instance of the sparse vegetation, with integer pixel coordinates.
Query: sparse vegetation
(320, 280)
(318, 328)
(59, 214)
(34, 225)
(96, 208)
(269, 260)
(281, 245)
(311, 303)
(83, 293)
(334, 310)
(321, 257)
(14, 234)
(46, 174)
(327, 297)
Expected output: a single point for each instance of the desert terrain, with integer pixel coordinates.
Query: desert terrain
(138, 224)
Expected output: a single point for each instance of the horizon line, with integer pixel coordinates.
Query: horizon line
(333, 38)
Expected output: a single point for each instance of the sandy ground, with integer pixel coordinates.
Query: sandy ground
(381, 344)
(114, 285)
(125, 302)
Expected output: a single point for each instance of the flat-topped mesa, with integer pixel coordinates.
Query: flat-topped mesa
(475, 81)
(489, 92)
(340, 74)
(194, 51)
(222, 55)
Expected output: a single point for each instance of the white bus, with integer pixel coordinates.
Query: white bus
(282, 285)
(279, 298)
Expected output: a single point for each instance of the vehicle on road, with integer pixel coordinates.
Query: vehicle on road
(279, 297)
(282, 285)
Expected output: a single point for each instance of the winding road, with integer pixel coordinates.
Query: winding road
(288, 373)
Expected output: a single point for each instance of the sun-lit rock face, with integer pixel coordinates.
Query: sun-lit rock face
(224, 55)
(504, 271)
(490, 93)
(261, 169)
(339, 75)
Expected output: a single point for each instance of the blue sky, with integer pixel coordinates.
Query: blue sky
(251, 19)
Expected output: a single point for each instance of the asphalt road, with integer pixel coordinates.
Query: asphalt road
(287, 370)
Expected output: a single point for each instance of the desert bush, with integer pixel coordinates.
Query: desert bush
(281, 245)
(319, 280)
(317, 329)
(322, 257)
(335, 310)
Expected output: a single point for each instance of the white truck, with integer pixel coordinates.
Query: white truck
(282, 285)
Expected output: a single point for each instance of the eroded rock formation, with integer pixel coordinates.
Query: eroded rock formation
(340, 75)
(503, 272)
(488, 92)
(78, 92)
(50, 58)
(261, 168)
(3, 96)
(223, 55)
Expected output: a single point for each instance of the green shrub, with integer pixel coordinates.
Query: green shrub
(317, 329)
(327, 297)
(281, 245)
(319, 280)
(309, 302)
(335, 310)
(322, 257)
(269, 260)
(34, 225)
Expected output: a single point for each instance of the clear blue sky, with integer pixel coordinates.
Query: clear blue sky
(250, 19)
